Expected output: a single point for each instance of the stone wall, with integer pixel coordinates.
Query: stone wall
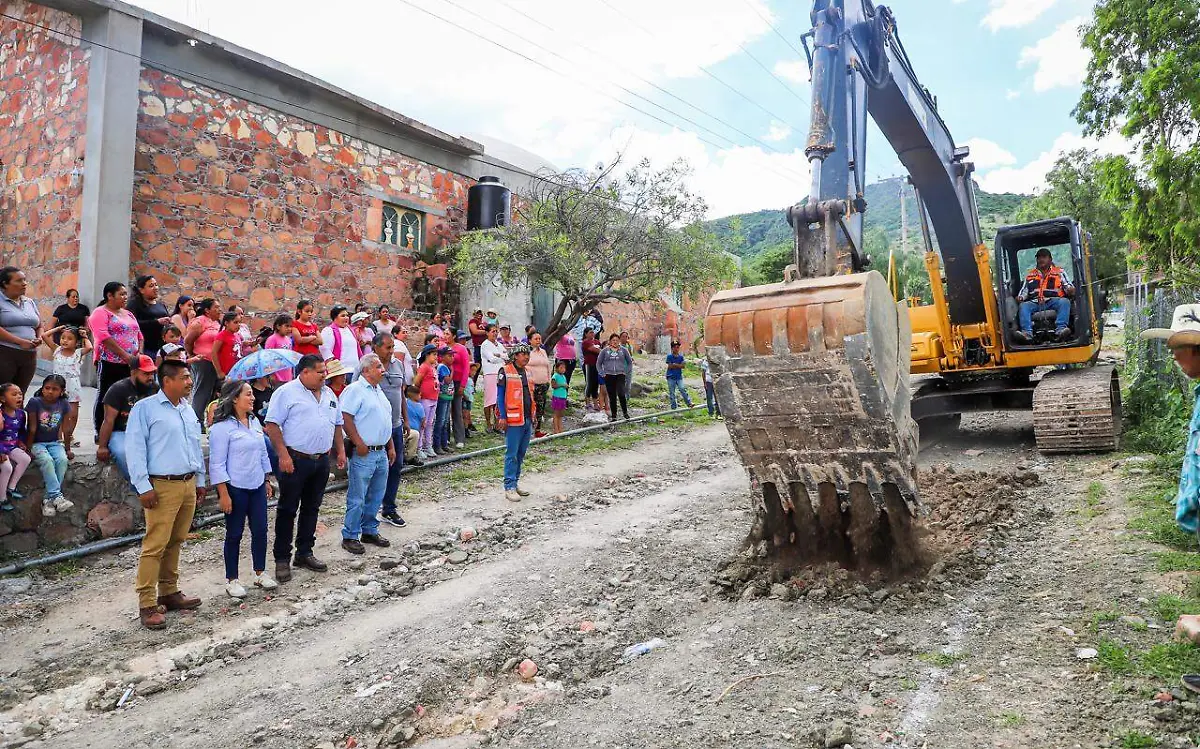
(248, 204)
(43, 118)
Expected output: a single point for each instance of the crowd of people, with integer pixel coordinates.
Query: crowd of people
(281, 406)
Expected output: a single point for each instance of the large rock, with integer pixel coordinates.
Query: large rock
(19, 543)
(28, 515)
(108, 519)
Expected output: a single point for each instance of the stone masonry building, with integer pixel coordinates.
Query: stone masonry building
(132, 144)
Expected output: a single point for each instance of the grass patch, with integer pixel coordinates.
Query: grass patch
(942, 660)
(1169, 660)
(1136, 740)
(1177, 561)
(1114, 657)
(1010, 719)
(63, 570)
(907, 683)
(1105, 617)
(1169, 608)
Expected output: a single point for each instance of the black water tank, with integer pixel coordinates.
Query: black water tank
(489, 204)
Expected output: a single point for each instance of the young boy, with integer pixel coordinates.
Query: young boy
(441, 424)
(416, 421)
(675, 376)
(469, 399)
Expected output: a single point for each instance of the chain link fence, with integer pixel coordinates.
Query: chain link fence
(1148, 305)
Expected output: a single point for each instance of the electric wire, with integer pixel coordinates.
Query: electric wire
(778, 33)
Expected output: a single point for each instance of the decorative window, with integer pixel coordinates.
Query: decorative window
(403, 227)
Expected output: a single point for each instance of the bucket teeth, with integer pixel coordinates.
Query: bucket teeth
(813, 383)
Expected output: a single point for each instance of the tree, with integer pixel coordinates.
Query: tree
(1144, 78)
(1075, 186)
(601, 236)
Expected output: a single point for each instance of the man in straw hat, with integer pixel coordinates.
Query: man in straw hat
(1183, 338)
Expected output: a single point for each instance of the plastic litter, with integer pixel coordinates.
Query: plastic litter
(633, 651)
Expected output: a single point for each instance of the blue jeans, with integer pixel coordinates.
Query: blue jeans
(248, 504)
(441, 425)
(674, 385)
(116, 446)
(1058, 304)
(51, 460)
(710, 397)
(367, 479)
(393, 477)
(516, 442)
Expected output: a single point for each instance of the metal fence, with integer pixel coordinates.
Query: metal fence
(1151, 305)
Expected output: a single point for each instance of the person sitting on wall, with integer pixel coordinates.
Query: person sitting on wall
(1046, 288)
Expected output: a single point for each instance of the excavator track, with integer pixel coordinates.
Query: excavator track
(1077, 410)
(812, 378)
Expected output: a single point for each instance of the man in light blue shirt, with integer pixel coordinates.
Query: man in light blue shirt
(166, 467)
(304, 422)
(367, 413)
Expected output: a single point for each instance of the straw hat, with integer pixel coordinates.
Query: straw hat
(334, 367)
(1184, 330)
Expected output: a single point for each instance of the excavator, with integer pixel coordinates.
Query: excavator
(824, 378)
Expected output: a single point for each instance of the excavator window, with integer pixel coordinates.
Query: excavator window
(1016, 249)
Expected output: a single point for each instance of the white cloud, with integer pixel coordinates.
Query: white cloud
(987, 154)
(1031, 178)
(732, 180)
(792, 70)
(1060, 58)
(779, 131)
(1014, 13)
(1012, 93)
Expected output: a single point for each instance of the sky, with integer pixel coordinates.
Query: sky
(720, 83)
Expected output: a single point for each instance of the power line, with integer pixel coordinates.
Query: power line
(628, 91)
(701, 68)
(778, 33)
(611, 61)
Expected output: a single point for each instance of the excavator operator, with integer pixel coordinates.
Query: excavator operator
(1045, 288)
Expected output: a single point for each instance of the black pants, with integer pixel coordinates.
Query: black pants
(108, 374)
(18, 367)
(616, 390)
(592, 376)
(458, 426)
(205, 387)
(300, 493)
(570, 368)
(539, 399)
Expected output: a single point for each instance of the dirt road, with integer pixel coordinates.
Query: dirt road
(420, 644)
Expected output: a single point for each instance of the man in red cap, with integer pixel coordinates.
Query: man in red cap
(118, 402)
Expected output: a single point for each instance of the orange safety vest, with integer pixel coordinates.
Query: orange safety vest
(1051, 284)
(514, 401)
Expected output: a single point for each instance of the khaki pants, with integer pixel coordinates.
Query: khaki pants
(167, 526)
(412, 442)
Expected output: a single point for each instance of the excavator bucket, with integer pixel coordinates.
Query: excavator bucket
(812, 378)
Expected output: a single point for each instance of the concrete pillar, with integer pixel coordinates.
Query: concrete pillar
(113, 75)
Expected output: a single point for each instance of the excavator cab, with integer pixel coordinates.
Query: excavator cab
(1016, 251)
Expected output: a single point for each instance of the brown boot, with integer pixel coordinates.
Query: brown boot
(152, 617)
(177, 601)
(283, 571)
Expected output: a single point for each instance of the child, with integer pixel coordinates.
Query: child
(710, 395)
(171, 351)
(675, 376)
(441, 426)
(306, 336)
(227, 349)
(335, 376)
(281, 337)
(72, 346)
(173, 338)
(469, 399)
(558, 394)
(416, 422)
(48, 412)
(13, 458)
(426, 383)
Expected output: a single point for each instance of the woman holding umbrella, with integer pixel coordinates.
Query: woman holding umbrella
(259, 369)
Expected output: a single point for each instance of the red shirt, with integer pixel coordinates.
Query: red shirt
(429, 382)
(306, 329)
(231, 344)
(591, 349)
(462, 364)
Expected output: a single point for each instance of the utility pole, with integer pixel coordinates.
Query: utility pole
(903, 220)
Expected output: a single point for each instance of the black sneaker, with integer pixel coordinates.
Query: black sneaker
(414, 462)
(1022, 336)
(1063, 334)
(376, 540)
(1191, 681)
(353, 545)
(394, 518)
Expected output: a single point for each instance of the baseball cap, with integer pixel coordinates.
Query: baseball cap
(463, 335)
(505, 326)
(445, 350)
(170, 349)
(359, 317)
(146, 364)
(427, 350)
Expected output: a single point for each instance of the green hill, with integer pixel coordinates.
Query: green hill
(766, 229)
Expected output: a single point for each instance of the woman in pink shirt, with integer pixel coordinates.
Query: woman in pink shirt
(117, 339)
(564, 351)
(539, 370)
(201, 335)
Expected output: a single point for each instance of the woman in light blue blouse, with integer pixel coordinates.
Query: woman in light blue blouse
(238, 467)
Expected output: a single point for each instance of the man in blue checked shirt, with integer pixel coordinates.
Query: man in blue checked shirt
(166, 467)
